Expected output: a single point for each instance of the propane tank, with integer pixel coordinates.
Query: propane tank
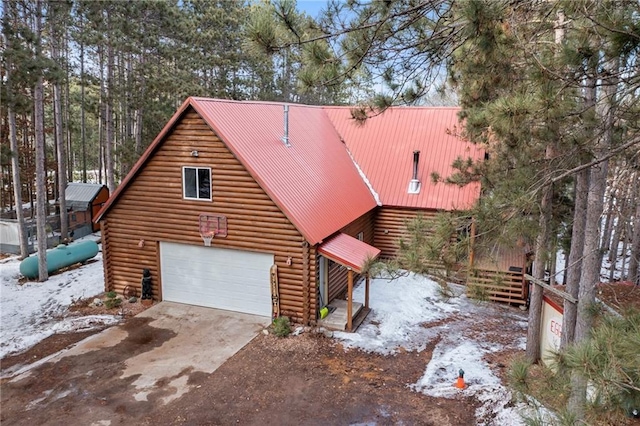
(60, 257)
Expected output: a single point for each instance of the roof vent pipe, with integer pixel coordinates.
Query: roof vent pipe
(414, 184)
(285, 138)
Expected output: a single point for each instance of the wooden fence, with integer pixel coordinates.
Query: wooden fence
(498, 286)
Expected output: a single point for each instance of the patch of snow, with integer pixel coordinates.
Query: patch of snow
(33, 404)
(560, 262)
(401, 307)
(33, 311)
(621, 264)
(448, 358)
(497, 402)
(410, 312)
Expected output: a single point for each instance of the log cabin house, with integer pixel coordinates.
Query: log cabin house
(269, 208)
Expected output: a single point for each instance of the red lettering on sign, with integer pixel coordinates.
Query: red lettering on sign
(556, 328)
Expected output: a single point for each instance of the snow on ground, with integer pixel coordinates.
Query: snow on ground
(560, 264)
(411, 312)
(621, 265)
(33, 311)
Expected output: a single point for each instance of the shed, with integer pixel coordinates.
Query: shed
(84, 201)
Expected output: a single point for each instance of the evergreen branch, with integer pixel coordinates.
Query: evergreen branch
(349, 30)
(611, 29)
(595, 162)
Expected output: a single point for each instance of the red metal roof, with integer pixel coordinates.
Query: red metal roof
(348, 251)
(383, 148)
(313, 181)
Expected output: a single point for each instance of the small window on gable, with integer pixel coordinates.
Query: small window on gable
(360, 236)
(196, 183)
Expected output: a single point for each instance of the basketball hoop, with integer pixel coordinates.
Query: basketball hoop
(207, 239)
(212, 225)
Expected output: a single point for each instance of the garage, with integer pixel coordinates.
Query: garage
(233, 280)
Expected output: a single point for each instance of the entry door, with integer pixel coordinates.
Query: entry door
(323, 283)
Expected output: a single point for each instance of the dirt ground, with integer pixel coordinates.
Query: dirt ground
(620, 296)
(307, 379)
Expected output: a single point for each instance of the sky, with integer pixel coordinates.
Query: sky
(311, 7)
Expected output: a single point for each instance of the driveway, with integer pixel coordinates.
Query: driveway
(156, 356)
(204, 339)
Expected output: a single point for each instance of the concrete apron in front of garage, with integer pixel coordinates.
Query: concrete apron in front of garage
(204, 339)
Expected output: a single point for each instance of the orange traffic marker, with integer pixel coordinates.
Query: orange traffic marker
(460, 382)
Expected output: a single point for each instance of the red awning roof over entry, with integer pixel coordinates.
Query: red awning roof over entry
(348, 251)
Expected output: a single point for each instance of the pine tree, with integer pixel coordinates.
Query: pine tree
(41, 177)
(56, 20)
(292, 57)
(8, 14)
(634, 263)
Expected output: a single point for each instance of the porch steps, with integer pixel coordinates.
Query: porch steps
(337, 319)
(360, 318)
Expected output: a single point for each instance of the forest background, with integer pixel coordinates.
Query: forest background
(549, 88)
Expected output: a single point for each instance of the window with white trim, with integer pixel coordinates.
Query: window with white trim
(360, 236)
(196, 183)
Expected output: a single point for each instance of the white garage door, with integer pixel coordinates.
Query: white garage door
(234, 280)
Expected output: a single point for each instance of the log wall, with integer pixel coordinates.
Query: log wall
(483, 282)
(337, 272)
(390, 227)
(152, 209)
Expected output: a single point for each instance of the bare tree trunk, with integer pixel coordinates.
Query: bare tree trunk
(553, 260)
(589, 280)
(626, 232)
(634, 199)
(17, 185)
(592, 259)
(623, 255)
(139, 111)
(108, 151)
(618, 227)
(61, 151)
(41, 190)
(608, 223)
(575, 257)
(62, 162)
(579, 224)
(539, 262)
(82, 105)
(67, 111)
(13, 141)
(542, 241)
(634, 262)
(101, 113)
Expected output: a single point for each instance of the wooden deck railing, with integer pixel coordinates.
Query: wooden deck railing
(499, 286)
